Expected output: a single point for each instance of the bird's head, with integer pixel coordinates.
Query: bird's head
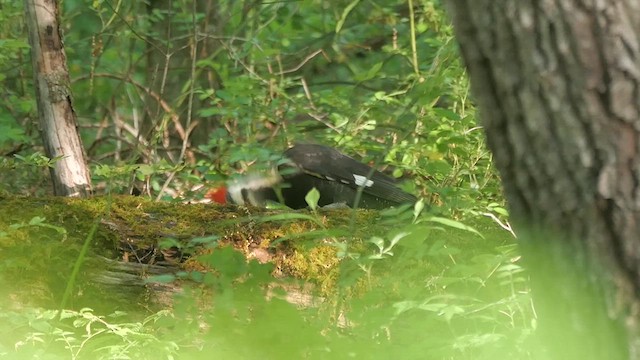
(218, 195)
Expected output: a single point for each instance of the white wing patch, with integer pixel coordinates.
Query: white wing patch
(362, 181)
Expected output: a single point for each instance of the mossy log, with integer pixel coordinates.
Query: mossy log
(138, 238)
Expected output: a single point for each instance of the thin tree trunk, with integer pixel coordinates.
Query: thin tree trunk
(557, 83)
(58, 123)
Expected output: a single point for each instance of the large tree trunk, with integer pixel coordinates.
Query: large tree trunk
(58, 123)
(558, 87)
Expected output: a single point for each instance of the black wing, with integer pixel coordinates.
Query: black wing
(331, 165)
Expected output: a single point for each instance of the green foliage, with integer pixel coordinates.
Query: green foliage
(25, 174)
(16, 86)
(340, 73)
(431, 288)
(17, 110)
(312, 199)
(353, 74)
(40, 222)
(410, 294)
(82, 334)
(470, 304)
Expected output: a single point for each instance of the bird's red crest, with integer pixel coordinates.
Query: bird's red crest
(218, 195)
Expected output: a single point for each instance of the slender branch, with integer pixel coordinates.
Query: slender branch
(414, 50)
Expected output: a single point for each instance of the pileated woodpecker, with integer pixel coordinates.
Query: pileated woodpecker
(336, 176)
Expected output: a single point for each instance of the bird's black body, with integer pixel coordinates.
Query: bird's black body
(338, 178)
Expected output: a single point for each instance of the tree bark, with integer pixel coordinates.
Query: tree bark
(58, 122)
(557, 83)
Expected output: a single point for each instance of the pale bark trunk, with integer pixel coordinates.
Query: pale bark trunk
(58, 123)
(557, 83)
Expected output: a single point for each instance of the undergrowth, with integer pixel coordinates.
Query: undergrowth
(423, 290)
(173, 98)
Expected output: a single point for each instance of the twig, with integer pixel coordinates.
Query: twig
(504, 225)
(304, 61)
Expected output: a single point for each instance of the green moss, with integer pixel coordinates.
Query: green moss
(40, 256)
(319, 264)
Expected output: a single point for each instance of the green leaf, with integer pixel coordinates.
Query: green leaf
(345, 14)
(9, 133)
(373, 71)
(417, 209)
(12, 44)
(166, 243)
(379, 242)
(36, 220)
(450, 311)
(454, 224)
(402, 306)
(205, 240)
(228, 262)
(312, 198)
(289, 216)
(396, 239)
(145, 170)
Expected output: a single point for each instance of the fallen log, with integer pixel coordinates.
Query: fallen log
(144, 251)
